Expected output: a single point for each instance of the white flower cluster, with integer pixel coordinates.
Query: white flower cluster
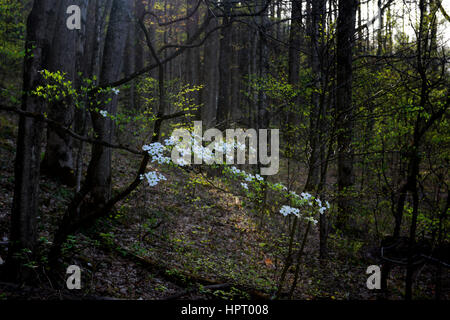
(306, 195)
(115, 91)
(153, 149)
(169, 142)
(235, 171)
(104, 113)
(203, 153)
(305, 198)
(156, 151)
(153, 178)
(219, 146)
(248, 177)
(181, 162)
(287, 210)
(194, 146)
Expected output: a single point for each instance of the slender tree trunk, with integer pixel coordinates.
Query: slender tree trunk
(235, 75)
(192, 56)
(344, 107)
(210, 71)
(113, 57)
(224, 101)
(295, 41)
(40, 29)
(263, 67)
(84, 58)
(380, 33)
(316, 47)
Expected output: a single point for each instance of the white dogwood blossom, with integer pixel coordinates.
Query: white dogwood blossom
(161, 159)
(306, 195)
(154, 149)
(169, 142)
(319, 202)
(249, 178)
(203, 153)
(104, 113)
(153, 178)
(181, 162)
(287, 210)
(235, 171)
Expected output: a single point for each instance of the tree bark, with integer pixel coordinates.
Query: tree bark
(344, 107)
(223, 103)
(113, 57)
(316, 51)
(263, 66)
(192, 56)
(210, 71)
(59, 161)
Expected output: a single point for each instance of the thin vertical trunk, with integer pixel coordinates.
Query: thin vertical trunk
(192, 56)
(104, 127)
(210, 71)
(295, 42)
(235, 75)
(360, 34)
(84, 62)
(263, 66)
(344, 107)
(316, 54)
(129, 66)
(223, 104)
(380, 33)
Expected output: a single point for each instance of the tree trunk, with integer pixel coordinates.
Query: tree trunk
(210, 71)
(192, 56)
(316, 47)
(295, 42)
(59, 161)
(223, 103)
(263, 67)
(40, 28)
(104, 128)
(344, 107)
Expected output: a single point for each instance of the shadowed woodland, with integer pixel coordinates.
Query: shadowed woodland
(89, 99)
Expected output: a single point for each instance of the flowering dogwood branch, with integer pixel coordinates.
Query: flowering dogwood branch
(309, 203)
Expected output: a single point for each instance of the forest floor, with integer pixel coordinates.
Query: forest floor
(185, 239)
